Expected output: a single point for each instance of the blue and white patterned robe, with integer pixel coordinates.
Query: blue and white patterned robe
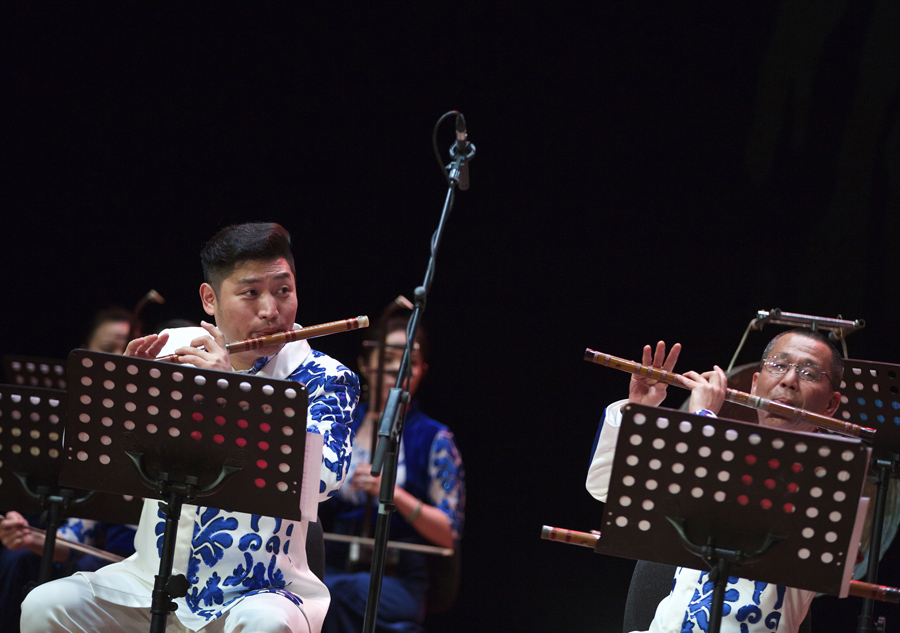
(227, 556)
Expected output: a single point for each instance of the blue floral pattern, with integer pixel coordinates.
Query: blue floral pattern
(333, 393)
(755, 606)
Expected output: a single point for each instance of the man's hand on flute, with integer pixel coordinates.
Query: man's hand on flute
(648, 391)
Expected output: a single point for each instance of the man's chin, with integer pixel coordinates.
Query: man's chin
(245, 360)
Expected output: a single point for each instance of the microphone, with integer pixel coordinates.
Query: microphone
(462, 150)
(461, 136)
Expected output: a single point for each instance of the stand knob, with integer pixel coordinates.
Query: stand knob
(177, 586)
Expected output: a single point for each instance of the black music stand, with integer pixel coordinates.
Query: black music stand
(31, 446)
(176, 432)
(31, 371)
(870, 396)
(768, 505)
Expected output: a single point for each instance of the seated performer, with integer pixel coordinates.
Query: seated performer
(429, 495)
(20, 554)
(109, 331)
(800, 368)
(250, 289)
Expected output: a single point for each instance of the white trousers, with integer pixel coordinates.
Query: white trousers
(68, 605)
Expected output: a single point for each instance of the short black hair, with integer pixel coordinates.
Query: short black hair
(836, 368)
(240, 243)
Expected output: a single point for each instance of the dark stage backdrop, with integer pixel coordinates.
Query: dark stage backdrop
(644, 171)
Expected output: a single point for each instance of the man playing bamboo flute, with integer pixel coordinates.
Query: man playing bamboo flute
(245, 572)
(799, 368)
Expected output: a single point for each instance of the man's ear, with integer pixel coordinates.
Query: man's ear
(753, 384)
(833, 403)
(208, 298)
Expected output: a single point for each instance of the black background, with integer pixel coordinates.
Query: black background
(644, 171)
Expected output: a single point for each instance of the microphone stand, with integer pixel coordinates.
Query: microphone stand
(390, 427)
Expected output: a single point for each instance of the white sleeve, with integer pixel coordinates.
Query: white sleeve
(601, 463)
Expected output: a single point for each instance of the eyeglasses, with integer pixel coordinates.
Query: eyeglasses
(806, 371)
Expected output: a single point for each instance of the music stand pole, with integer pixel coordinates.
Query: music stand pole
(866, 621)
(390, 429)
(51, 519)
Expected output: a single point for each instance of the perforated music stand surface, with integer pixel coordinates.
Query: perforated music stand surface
(736, 482)
(186, 422)
(31, 447)
(32, 371)
(31, 428)
(870, 396)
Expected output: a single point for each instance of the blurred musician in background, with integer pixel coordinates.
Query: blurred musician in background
(250, 289)
(429, 495)
(799, 368)
(109, 331)
(20, 555)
